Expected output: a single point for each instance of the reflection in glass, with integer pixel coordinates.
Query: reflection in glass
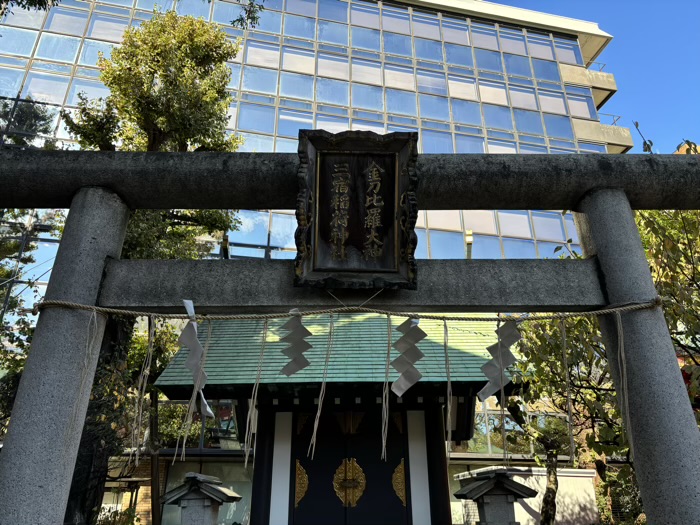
(433, 107)
(552, 102)
(519, 249)
(332, 124)
(290, 122)
(446, 245)
(299, 60)
(547, 250)
(513, 42)
(333, 10)
(333, 66)
(514, 223)
(107, 27)
(397, 44)
(401, 102)
(431, 82)
(468, 113)
(17, 41)
(45, 88)
(469, 144)
(300, 27)
(332, 91)
(497, 117)
(364, 15)
(32, 18)
(253, 117)
(253, 228)
(66, 21)
(93, 89)
(422, 246)
(558, 126)
(365, 38)
(479, 221)
(262, 54)
(367, 97)
(332, 33)
(302, 7)
(488, 60)
(428, 49)
(270, 21)
(282, 232)
(366, 71)
(540, 48)
(522, 97)
(546, 70)
(483, 37)
(296, 86)
(91, 52)
(260, 80)
(461, 87)
(436, 142)
(195, 8)
(455, 31)
(11, 80)
(501, 146)
(459, 55)
(493, 92)
(399, 77)
(528, 121)
(486, 247)
(425, 25)
(517, 65)
(396, 20)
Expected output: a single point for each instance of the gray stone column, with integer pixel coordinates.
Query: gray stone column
(664, 433)
(38, 457)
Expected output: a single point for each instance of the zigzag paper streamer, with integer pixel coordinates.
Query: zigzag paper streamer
(410, 355)
(188, 338)
(501, 358)
(297, 345)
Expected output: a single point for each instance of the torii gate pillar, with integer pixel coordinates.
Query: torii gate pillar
(55, 388)
(663, 429)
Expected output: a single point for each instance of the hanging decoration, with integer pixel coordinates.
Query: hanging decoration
(502, 358)
(410, 355)
(385, 390)
(252, 419)
(297, 332)
(322, 393)
(195, 357)
(448, 407)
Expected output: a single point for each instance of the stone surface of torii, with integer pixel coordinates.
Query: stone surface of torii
(100, 188)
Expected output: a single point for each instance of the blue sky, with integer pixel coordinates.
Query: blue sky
(655, 57)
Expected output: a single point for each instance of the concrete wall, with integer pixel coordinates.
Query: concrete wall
(618, 139)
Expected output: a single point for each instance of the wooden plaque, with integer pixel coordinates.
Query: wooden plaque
(356, 210)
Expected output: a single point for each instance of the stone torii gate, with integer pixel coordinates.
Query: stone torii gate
(37, 461)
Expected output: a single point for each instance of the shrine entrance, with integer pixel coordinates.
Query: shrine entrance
(346, 483)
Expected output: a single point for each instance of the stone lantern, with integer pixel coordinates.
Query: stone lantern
(199, 499)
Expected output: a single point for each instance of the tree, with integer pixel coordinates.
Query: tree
(167, 93)
(28, 119)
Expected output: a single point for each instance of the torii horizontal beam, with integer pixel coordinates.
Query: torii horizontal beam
(260, 286)
(41, 179)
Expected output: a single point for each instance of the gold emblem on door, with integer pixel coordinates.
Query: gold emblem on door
(349, 482)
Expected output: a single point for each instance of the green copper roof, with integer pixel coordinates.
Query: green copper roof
(358, 351)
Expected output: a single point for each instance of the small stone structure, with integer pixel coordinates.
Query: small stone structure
(199, 499)
(495, 494)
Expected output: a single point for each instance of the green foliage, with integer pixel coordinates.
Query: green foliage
(619, 491)
(170, 419)
(118, 517)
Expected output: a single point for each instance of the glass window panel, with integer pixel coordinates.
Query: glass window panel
(224, 12)
(571, 230)
(332, 91)
(546, 70)
(261, 54)
(17, 41)
(592, 148)
(552, 102)
(259, 80)
(253, 228)
(519, 249)
(195, 8)
(367, 97)
(540, 48)
(428, 49)
(486, 247)
(528, 121)
(256, 143)
(532, 150)
(332, 124)
(493, 92)
(10, 81)
(548, 226)
(558, 126)
(333, 10)
(479, 221)
(436, 142)
(422, 246)
(517, 65)
(365, 38)
(253, 117)
(66, 21)
(501, 146)
(45, 88)
(426, 26)
(167, 5)
(461, 87)
(242, 251)
(433, 107)
(445, 220)
(366, 71)
(232, 113)
(459, 55)
(332, 33)
(24, 17)
(364, 15)
(488, 60)
(401, 102)
(582, 106)
(446, 245)
(468, 113)
(302, 7)
(368, 125)
(333, 66)
(513, 43)
(57, 47)
(91, 50)
(286, 146)
(235, 75)
(431, 82)
(107, 27)
(270, 21)
(300, 27)
(469, 144)
(397, 44)
(282, 231)
(399, 77)
(93, 89)
(486, 38)
(396, 20)
(283, 254)
(522, 97)
(546, 250)
(299, 60)
(568, 52)
(514, 223)
(296, 86)
(455, 31)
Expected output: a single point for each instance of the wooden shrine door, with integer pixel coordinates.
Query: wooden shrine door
(347, 483)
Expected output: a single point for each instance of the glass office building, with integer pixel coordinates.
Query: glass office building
(487, 79)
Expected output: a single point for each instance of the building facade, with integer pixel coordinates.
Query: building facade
(468, 76)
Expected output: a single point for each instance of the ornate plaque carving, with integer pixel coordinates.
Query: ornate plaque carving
(356, 210)
(398, 481)
(349, 482)
(301, 484)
